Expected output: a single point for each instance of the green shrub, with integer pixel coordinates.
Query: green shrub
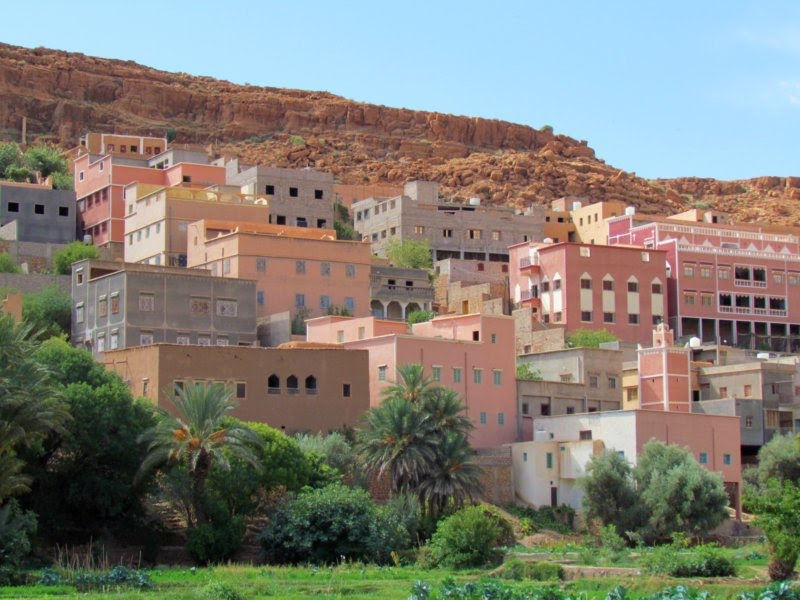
(7, 264)
(468, 538)
(221, 591)
(702, 561)
(559, 519)
(63, 259)
(217, 541)
(544, 571)
(17, 527)
(332, 523)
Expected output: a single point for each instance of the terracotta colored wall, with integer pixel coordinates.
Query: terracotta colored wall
(324, 411)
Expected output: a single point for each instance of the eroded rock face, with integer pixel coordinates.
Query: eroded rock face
(64, 94)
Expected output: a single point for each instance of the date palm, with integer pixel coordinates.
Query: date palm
(453, 477)
(412, 384)
(196, 436)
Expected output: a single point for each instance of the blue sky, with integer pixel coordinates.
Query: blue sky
(664, 89)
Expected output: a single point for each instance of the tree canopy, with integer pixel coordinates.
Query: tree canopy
(411, 254)
(75, 251)
(589, 338)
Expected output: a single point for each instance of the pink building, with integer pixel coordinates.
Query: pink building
(582, 286)
(732, 284)
(471, 354)
(305, 271)
(665, 380)
(100, 183)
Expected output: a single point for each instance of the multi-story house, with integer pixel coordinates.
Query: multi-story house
(297, 197)
(583, 286)
(569, 381)
(453, 230)
(729, 284)
(119, 305)
(470, 354)
(157, 218)
(396, 292)
(297, 388)
(134, 147)
(100, 182)
(305, 271)
(35, 213)
(547, 470)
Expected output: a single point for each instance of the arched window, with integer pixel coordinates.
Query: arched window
(273, 384)
(291, 385)
(311, 385)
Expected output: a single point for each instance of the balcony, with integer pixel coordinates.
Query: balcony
(401, 292)
(750, 283)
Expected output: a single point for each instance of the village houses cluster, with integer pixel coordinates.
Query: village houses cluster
(216, 271)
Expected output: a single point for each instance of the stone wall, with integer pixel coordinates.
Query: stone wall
(498, 476)
(33, 282)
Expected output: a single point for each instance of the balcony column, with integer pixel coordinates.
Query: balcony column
(383, 309)
(404, 307)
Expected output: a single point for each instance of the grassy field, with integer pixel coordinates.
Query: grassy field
(356, 581)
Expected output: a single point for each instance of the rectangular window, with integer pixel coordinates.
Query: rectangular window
(723, 392)
(101, 342)
(382, 373)
(723, 273)
(727, 459)
(260, 297)
(350, 304)
(496, 235)
(748, 390)
(147, 302)
(570, 410)
(688, 298)
(226, 266)
(777, 277)
(456, 375)
(79, 313)
(419, 229)
(594, 381)
(544, 409)
(633, 319)
(474, 234)
(549, 459)
(300, 267)
(346, 390)
(585, 435)
(227, 308)
(269, 190)
(608, 317)
(261, 264)
(483, 418)
(706, 299)
(655, 289)
(586, 316)
(102, 306)
(145, 338)
(524, 457)
(557, 317)
(293, 192)
(63, 211)
(501, 418)
(325, 269)
(612, 382)
(497, 377)
(324, 302)
(222, 340)
(447, 233)
(184, 339)
(204, 340)
(608, 285)
(299, 300)
(114, 340)
(645, 257)
(556, 284)
(585, 251)
(586, 284)
(703, 460)
(38, 209)
(350, 270)
(705, 272)
(748, 421)
(241, 389)
(688, 270)
(436, 373)
(318, 194)
(477, 375)
(633, 286)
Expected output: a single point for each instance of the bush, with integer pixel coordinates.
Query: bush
(7, 264)
(49, 311)
(63, 259)
(702, 561)
(221, 591)
(468, 538)
(559, 519)
(329, 524)
(515, 568)
(216, 541)
(17, 527)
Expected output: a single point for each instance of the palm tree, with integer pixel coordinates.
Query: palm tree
(196, 437)
(30, 406)
(445, 410)
(397, 442)
(453, 476)
(412, 384)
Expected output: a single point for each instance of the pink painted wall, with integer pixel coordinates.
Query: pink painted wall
(326, 329)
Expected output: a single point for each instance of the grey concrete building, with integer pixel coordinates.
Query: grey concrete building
(762, 393)
(454, 230)
(395, 292)
(120, 305)
(32, 213)
(297, 197)
(574, 380)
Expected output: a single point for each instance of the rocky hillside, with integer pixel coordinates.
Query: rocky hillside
(63, 94)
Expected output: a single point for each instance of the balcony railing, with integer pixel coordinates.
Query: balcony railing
(750, 283)
(400, 291)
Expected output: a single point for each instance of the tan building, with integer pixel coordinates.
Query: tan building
(453, 230)
(305, 271)
(300, 388)
(572, 381)
(396, 292)
(469, 286)
(157, 219)
(136, 147)
(573, 220)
